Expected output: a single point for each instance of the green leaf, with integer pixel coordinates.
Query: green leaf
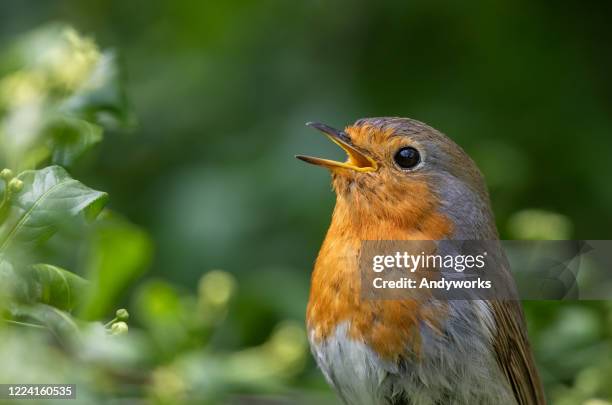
(41, 284)
(57, 321)
(49, 199)
(10, 284)
(54, 286)
(120, 253)
(71, 138)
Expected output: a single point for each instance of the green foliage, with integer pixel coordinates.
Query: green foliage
(67, 262)
(53, 286)
(46, 200)
(57, 93)
(120, 252)
(59, 81)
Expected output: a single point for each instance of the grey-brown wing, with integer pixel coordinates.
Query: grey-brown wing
(514, 354)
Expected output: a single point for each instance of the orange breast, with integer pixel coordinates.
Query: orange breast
(389, 327)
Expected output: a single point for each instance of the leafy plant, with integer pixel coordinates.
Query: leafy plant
(56, 90)
(65, 259)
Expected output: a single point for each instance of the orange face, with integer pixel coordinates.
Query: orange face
(370, 149)
(388, 175)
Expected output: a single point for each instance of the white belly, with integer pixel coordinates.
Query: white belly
(457, 368)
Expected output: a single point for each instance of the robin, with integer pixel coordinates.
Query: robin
(404, 180)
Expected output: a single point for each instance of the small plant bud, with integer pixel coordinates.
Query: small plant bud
(119, 328)
(122, 314)
(6, 174)
(15, 185)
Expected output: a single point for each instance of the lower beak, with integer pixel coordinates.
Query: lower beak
(357, 160)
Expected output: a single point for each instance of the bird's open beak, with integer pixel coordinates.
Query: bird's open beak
(357, 160)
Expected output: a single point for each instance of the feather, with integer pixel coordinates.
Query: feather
(514, 354)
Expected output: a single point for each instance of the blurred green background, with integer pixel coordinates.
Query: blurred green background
(218, 94)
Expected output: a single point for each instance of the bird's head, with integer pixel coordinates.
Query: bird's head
(402, 171)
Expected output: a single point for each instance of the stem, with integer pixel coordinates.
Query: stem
(24, 324)
(5, 194)
(111, 322)
(4, 203)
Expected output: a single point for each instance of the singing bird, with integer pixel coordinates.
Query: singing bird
(404, 180)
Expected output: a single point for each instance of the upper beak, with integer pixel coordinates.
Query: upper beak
(357, 160)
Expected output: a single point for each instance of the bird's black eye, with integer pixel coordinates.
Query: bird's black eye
(407, 157)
